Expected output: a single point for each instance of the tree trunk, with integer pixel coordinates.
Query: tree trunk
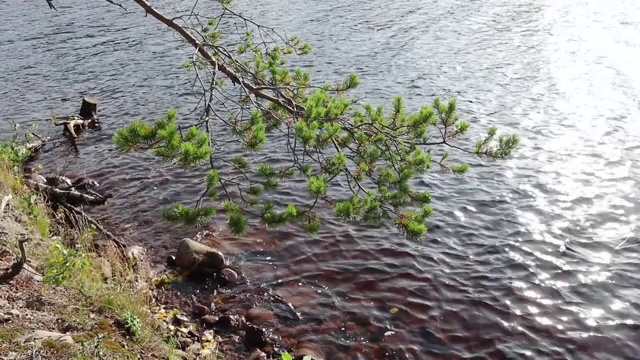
(89, 108)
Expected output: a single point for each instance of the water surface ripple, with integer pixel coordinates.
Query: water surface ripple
(521, 260)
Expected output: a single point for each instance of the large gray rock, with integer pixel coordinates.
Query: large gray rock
(198, 259)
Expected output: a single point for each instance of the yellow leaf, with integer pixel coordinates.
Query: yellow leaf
(393, 310)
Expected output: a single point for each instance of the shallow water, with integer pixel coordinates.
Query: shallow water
(494, 279)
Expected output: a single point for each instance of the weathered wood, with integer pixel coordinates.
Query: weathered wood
(73, 123)
(67, 196)
(89, 108)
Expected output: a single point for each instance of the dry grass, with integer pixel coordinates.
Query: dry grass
(87, 305)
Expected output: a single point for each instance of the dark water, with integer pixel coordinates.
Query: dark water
(493, 280)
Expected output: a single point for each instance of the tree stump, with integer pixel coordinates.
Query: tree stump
(89, 108)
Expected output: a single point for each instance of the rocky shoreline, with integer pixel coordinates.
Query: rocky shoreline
(212, 323)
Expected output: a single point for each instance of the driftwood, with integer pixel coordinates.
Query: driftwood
(86, 118)
(67, 196)
(75, 123)
(89, 108)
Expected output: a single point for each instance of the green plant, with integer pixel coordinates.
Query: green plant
(361, 159)
(63, 262)
(287, 356)
(132, 324)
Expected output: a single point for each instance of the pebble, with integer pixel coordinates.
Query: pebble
(200, 310)
(185, 343)
(15, 312)
(180, 320)
(209, 320)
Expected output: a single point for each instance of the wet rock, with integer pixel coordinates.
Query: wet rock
(231, 322)
(256, 337)
(200, 310)
(209, 321)
(228, 276)
(260, 316)
(49, 335)
(258, 355)
(185, 343)
(198, 259)
(305, 348)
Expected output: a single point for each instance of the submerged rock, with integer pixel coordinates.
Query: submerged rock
(198, 259)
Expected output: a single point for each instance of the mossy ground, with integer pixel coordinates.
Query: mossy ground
(89, 305)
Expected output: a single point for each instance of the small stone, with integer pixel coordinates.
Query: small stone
(260, 316)
(232, 322)
(228, 276)
(180, 320)
(194, 349)
(15, 312)
(258, 355)
(200, 310)
(185, 343)
(4, 303)
(209, 321)
(48, 335)
(4, 318)
(256, 336)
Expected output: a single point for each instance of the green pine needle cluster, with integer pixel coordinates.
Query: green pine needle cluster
(359, 158)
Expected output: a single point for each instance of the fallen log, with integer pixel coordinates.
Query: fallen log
(68, 196)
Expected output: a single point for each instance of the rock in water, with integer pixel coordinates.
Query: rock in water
(198, 259)
(228, 276)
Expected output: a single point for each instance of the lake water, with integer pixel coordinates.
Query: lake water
(521, 261)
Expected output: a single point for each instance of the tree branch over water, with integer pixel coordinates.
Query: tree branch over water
(331, 148)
